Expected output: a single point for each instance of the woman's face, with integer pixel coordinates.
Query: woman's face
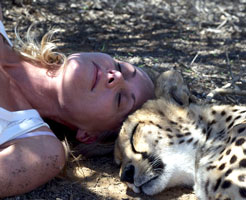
(98, 92)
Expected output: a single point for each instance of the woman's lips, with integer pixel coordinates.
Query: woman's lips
(96, 76)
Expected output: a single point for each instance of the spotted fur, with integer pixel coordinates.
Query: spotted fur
(167, 143)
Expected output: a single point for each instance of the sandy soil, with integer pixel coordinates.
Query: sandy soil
(205, 40)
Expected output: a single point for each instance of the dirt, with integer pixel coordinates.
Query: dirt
(204, 40)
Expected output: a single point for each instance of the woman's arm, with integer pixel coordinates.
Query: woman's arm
(27, 163)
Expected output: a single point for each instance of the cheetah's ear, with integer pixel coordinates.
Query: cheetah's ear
(171, 86)
(86, 137)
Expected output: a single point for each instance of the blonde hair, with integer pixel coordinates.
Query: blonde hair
(40, 53)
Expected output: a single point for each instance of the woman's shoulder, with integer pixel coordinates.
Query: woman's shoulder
(46, 152)
(11, 97)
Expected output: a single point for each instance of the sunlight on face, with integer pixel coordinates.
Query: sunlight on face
(101, 91)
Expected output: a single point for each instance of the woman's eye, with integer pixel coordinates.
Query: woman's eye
(119, 99)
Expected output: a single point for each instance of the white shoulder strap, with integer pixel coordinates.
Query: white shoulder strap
(4, 34)
(15, 124)
(15, 130)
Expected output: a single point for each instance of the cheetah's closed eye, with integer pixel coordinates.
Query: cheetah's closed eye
(166, 144)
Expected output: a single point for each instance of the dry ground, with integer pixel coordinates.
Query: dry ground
(204, 39)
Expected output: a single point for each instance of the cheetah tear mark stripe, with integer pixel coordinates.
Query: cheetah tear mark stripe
(132, 133)
(158, 165)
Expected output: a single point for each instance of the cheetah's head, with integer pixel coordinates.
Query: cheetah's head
(141, 167)
(143, 146)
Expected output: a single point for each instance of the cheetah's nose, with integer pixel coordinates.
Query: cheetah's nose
(128, 174)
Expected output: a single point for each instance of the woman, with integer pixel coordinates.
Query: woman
(89, 92)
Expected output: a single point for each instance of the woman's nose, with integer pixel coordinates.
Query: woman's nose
(114, 78)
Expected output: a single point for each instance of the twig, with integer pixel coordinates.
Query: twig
(194, 59)
(116, 3)
(226, 86)
(222, 24)
(225, 91)
(233, 78)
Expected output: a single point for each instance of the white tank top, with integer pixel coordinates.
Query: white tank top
(19, 124)
(4, 34)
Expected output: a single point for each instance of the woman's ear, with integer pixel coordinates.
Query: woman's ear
(86, 136)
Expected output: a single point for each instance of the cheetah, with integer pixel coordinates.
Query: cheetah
(172, 141)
